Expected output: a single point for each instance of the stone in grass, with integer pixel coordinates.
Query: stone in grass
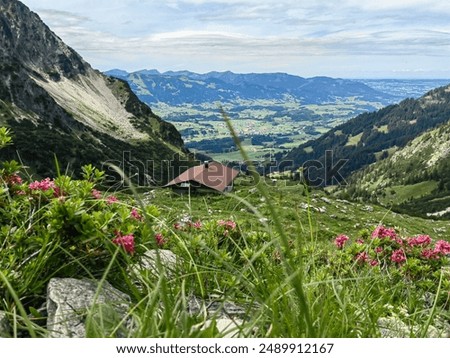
(225, 327)
(226, 318)
(168, 260)
(215, 308)
(392, 327)
(5, 328)
(70, 302)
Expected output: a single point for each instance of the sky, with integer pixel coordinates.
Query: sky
(336, 38)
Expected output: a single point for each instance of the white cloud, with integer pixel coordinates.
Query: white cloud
(314, 37)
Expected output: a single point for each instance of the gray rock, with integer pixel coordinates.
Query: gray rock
(169, 262)
(70, 300)
(5, 328)
(393, 327)
(227, 317)
(214, 308)
(226, 327)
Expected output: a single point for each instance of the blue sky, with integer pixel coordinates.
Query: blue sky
(337, 38)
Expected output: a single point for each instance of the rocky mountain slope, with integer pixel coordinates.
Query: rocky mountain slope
(414, 179)
(373, 136)
(54, 102)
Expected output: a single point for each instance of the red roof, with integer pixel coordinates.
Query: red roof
(213, 175)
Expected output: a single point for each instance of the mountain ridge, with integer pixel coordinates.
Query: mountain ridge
(170, 86)
(372, 136)
(48, 91)
(413, 179)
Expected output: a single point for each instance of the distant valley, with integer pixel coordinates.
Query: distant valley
(272, 112)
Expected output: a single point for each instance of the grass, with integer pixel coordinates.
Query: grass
(347, 306)
(401, 193)
(354, 140)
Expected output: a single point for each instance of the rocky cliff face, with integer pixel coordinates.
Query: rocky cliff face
(56, 103)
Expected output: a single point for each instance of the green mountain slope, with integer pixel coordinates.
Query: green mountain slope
(414, 179)
(373, 136)
(55, 103)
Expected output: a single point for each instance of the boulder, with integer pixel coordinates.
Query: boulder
(70, 302)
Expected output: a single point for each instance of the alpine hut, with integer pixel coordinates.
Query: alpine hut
(210, 175)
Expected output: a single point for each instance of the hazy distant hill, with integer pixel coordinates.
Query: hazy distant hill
(180, 87)
(404, 88)
(54, 102)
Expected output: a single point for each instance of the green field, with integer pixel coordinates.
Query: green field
(287, 124)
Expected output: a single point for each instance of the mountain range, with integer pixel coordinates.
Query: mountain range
(57, 104)
(180, 87)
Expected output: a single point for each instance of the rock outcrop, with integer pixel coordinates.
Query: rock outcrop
(55, 102)
(70, 302)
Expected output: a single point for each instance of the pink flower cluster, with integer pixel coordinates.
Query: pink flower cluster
(111, 200)
(441, 249)
(13, 179)
(96, 194)
(340, 241)
(228, 224)
(160, 239)
(184, 225)
(126, 241)
(42, 185)
(398, 256)
(419, 240)
(135, 214)
(382, 232)
(396, 250)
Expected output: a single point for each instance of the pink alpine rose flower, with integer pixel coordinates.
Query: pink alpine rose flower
(160, 240)
(381, 232)
(362, 257)
(340, 241)
(398, 256)
(419, 240)
(442, 247)
(96, 194)
(229, 224)
(135, 214)
(126, 241)
(42, 185)
(111, 200)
